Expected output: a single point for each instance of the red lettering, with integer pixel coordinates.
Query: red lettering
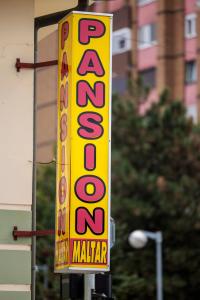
(91, 63)
(61, 221)
(90, 157)
(99, 189)
(90, 29)
(64, 67)
(62, 189)
(63, 96)
(90, 125)
(85, 93)
(94, 222)
(64, 33)
(63, 127)
(63, 159)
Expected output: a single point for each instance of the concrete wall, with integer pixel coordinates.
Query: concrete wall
(16, 151)
(46, 97)
(45, 7)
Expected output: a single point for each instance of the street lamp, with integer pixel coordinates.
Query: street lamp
(138, 239)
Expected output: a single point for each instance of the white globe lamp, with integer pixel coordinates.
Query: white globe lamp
(138, 239)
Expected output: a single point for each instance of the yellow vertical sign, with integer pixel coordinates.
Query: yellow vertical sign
(82, 241)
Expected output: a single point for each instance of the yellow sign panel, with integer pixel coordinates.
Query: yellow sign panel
(83, 154)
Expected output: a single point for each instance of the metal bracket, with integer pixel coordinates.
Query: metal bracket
(26, 234)
(98, 296)
(83, 5)
(21, 65)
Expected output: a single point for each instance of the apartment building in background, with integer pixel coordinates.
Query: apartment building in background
(157, 40)
(161, 44)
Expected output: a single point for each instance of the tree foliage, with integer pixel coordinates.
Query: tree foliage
(46, 186)
(156, 186)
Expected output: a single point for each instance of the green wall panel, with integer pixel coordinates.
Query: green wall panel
(15, 295)
(15, 267)
(10, 218)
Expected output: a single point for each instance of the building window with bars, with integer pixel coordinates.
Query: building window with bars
(147, 36)
(190, 72)
(121, 41)
(190, 26)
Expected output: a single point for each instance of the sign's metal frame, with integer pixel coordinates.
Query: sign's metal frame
(61, 262)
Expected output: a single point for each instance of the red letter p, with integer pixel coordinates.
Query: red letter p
(64, 34)
(89, 28)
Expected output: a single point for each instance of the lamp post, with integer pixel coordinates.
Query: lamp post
(138, 239)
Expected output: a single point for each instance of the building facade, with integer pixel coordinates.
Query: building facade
(164, 47)
(16, 131)
(156, 40)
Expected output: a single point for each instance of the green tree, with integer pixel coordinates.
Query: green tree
(156, 186)
(46, 186)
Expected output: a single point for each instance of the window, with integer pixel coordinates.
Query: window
(121, 40)
(143, 2)
(148, 77)
(119, 85)
(191, 112)
(190, 26)
(190, 72)
(147, 36)
(198, 3)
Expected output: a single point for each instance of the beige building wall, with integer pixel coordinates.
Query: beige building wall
(16, 100)
(16, 151)
(45, 7)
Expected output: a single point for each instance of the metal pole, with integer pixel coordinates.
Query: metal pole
(33, 255)
(83, 5)
(89, 285)
(159, 271)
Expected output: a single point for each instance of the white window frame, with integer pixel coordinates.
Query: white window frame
(124, 33)
(145, 41)
(144, 2)
(193, 18)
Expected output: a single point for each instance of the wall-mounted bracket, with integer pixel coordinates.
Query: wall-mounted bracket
(21, 65)
(26, 234)
(98, 296)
